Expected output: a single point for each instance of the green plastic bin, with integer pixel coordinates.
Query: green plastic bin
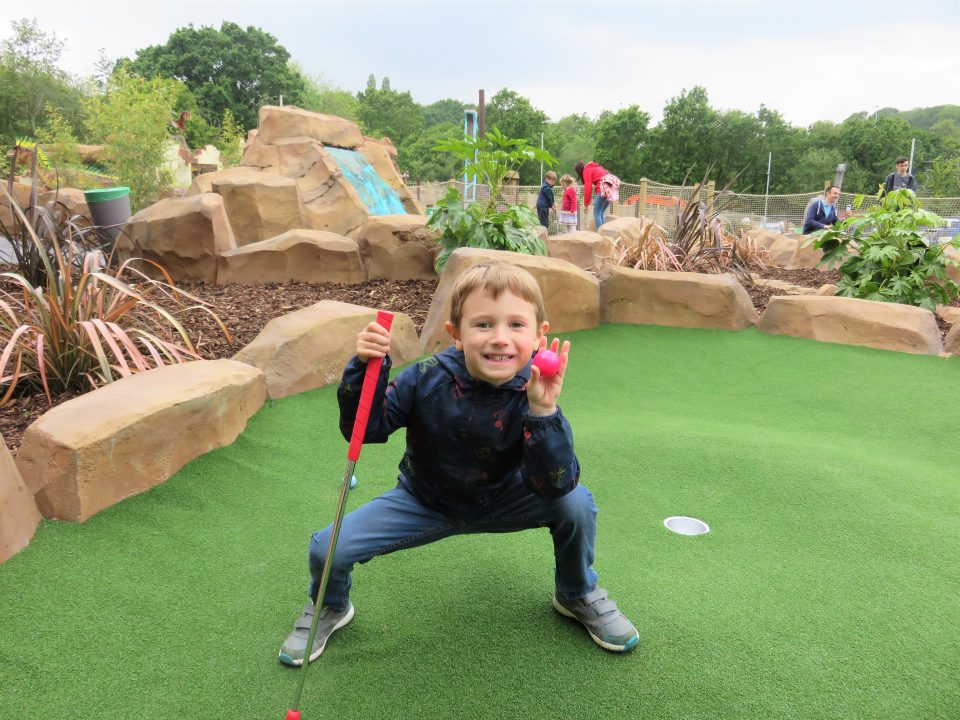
(109, 212)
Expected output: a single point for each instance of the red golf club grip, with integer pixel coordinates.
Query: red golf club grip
(384, 319)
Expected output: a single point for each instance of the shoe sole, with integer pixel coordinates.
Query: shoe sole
(287, 660)
(631, 643)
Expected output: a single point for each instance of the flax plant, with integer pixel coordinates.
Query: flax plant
(700, 243)
(83, 328)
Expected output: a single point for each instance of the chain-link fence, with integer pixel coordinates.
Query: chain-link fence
(661, 203)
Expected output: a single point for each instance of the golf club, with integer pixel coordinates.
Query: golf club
(385, 319)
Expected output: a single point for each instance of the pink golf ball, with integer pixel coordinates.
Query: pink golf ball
(548, 362)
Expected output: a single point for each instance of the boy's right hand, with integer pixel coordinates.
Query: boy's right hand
(372, 342)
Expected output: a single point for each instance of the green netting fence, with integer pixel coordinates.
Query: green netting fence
(660, 202)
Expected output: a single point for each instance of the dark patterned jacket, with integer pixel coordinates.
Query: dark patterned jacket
(467, 440)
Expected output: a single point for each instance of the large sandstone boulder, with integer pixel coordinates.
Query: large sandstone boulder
(571, 296)
(791, 251)
(300, 255)
(277, 123)
(184, 235)
(887, 326)
(309, 348)
(627, 231)
(291, 157)
(951, 343)
(584, 248)
(21, 194)
(203, 183)
(70, 200)
(19, 516)
(398, 247)
(260, 205)
(126, 437)
(677, 299)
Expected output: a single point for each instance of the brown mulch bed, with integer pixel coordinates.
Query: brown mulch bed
(246, 310)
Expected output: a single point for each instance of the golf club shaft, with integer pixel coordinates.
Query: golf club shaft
(370, 378)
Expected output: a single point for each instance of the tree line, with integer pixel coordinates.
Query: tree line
(238, 70)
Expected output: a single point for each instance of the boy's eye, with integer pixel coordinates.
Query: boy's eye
(517, 324)
(483, 324)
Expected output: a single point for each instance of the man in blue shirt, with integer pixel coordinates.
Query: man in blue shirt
(822, 212)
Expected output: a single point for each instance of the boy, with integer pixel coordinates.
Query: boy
(488, 450)
(900, 179)
(545, 200)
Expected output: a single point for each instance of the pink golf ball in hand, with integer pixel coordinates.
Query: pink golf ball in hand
(548, 362)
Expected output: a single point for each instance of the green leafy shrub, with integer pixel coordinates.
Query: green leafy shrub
(83, 327)
(488, 223)
(479, 226)
(57, 138)
(884, 253)
(230, 140)
(131, 119)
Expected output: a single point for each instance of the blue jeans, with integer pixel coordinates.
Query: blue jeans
(600, 206)
(397, 520)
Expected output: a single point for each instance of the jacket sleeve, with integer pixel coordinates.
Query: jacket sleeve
(810, 222)
(587, 189)
(392, 402)
(549, 466)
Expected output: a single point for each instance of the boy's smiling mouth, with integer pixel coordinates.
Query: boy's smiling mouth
(499, 358)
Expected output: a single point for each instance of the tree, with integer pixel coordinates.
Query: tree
(620, 140)
(571, 139)
(944, 177)
(230, 68)
(815, 169)
(30, 79)
(516, 117)
(417, 157)
(685, 140)
(131, 119)
(322, 96)
(389, 113)
(443, 112)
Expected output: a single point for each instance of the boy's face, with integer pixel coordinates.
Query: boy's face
(498, 336)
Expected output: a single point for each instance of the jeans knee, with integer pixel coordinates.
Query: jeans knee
(319, 544)
(577, 508)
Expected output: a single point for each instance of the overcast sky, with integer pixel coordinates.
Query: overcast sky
(809, 60)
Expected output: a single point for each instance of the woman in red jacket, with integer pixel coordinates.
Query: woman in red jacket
(604, 185)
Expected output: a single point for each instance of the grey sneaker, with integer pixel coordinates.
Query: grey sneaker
(296, 643)
(608, 627)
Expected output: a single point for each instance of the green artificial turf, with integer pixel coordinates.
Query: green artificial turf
(828, 587)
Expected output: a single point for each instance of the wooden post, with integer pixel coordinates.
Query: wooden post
(711, 188)
(482, 117)
(642, 202)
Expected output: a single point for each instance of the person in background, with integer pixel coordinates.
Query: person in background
(603, 184)
(822, 212)
(900, 179)
(568, 205)
(545, 201)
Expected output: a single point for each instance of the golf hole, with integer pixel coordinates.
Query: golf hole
(683, 525)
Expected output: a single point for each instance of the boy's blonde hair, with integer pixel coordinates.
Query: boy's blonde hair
(495, 278)
(551, 175)
(566, 180)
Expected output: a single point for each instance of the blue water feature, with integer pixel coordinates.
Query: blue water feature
(378, 197)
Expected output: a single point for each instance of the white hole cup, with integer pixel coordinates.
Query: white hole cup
(683, 525)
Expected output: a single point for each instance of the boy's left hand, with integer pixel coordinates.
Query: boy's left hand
(542, 392)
